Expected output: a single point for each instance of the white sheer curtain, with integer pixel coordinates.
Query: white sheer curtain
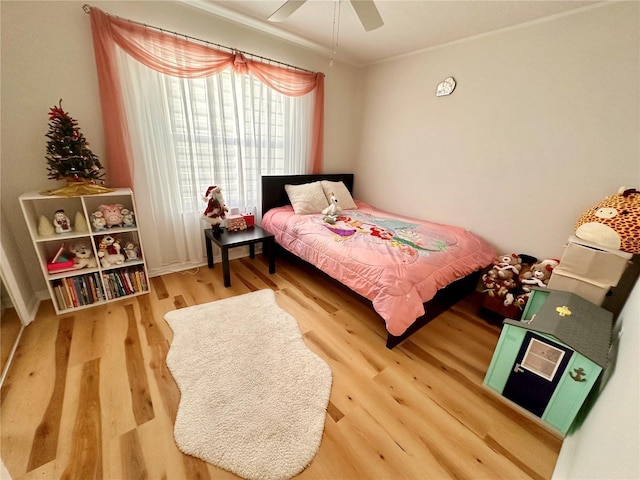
(188, 134)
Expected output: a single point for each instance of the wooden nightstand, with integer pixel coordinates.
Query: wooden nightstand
(226, 240)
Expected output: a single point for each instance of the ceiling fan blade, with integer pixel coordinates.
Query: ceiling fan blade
(285, 10)
(368, 14)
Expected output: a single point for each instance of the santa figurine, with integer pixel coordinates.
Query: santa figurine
(216, 210)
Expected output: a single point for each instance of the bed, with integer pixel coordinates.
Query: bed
(410, 270)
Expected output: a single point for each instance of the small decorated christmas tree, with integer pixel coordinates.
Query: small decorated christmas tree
(68, 154)
(69, 157)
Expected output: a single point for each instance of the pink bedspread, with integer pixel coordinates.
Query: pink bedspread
(396, 262)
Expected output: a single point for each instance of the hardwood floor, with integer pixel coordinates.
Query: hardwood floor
(9, 331)
(89, 394)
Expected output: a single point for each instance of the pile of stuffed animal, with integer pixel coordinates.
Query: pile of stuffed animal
(511, 278)
(614, 223)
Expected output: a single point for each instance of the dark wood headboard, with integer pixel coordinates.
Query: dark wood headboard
(274, 195)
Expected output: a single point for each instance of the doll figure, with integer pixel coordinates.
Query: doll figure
(131, 251)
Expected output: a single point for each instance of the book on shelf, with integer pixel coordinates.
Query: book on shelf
(81, 290)
(58, 291)
(77, 291)
(123, 282)
(73, 302)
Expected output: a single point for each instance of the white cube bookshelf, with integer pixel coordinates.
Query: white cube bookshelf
(80, 288)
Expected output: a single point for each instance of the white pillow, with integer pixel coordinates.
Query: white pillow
(307, 198)
(340, 190)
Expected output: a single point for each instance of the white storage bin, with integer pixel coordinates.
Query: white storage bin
(593, 262)
(585, 287)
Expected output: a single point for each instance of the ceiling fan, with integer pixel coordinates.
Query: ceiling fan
(365, 9)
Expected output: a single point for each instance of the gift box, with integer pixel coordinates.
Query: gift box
(248, 219)
(236, 223)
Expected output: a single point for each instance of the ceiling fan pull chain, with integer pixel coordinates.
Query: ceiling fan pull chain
(336, 30)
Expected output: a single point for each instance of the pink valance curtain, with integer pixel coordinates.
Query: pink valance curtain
(172, 55)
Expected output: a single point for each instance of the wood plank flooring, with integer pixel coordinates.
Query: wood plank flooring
(89, 396)
(9, 330)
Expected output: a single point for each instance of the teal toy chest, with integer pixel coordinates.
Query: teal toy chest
(549, 361)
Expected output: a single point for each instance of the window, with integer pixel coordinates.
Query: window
(227, 130)
(188, 134)
(542, 359)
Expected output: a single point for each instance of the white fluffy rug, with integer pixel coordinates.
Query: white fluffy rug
(253, 396)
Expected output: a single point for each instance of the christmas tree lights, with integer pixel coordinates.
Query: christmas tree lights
(68, 154)
(69, 157)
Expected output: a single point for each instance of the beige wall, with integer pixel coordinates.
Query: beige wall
(47, 54)
(543, 124)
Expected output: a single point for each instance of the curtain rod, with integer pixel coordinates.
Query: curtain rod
(87, 8)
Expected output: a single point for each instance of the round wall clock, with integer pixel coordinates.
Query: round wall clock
(446, 87)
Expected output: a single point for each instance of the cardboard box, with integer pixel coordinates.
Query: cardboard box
(585, 287)
(235, 223)
(595, 263)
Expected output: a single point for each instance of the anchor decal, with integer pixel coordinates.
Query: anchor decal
(579, 375)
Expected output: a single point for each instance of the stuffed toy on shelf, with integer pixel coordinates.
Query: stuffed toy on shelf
(109, 251)
(112, 214)
(131, 252)
(83, 255)
(98, 222)
(61, 222)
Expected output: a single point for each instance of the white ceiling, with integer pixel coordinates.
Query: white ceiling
(409, 26)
